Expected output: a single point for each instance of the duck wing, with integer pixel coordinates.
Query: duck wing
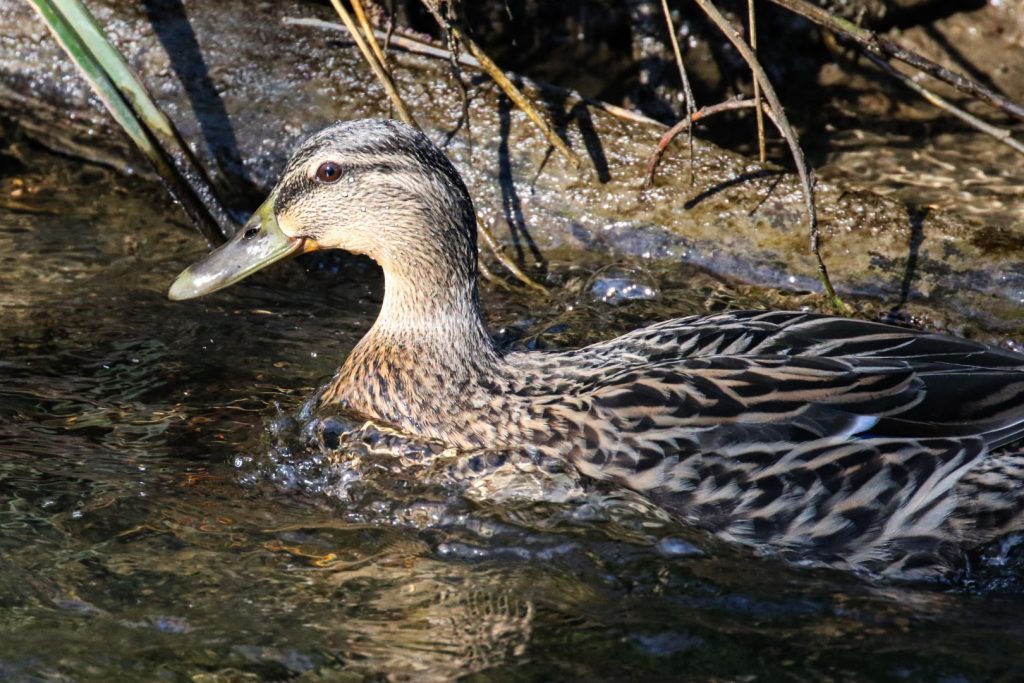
(840, 459)
(723, 399)
(760, 333)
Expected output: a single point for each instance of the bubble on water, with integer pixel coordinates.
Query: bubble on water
(677, 547)
(619, 285)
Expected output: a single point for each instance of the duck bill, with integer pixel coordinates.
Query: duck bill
(256, 245)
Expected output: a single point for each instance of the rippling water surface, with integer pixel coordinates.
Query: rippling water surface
(965, 174)
(168, 513)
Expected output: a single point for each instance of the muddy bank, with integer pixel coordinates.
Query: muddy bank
(246, 90)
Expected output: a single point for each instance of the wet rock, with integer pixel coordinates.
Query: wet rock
(245, 82)
(986, 43)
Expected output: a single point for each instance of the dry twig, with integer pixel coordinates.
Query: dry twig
(420, 47)
(691, 103)
(762, 153)
(788, 133)
(1001, 134)
(687, 124)
(364, 23)
(506, 85)
(492, 243)
(379, 70)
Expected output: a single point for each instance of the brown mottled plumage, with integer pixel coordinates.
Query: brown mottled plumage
(832, 441)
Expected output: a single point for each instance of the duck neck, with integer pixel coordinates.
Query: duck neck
(428, 348)
(428, 354)
(432, 313)
(431, 307)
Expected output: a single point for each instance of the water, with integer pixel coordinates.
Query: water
(960, 173)
(166, 513)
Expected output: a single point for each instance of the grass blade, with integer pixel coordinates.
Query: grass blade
(128, 102)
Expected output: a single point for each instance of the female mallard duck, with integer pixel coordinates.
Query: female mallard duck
(835, 441)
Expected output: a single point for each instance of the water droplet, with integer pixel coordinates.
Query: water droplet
(677, 547)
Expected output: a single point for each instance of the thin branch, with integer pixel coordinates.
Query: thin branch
(454, 52)
(886, 48)
(516, 95)
(503, 259)
(364, 23)
(687, 124)
(691, 103)
(378, 68)
(129, 103)
(507, 86)
(788, 133)
(486, 273)
(762, 153)
(1001, 134)
(419, 47)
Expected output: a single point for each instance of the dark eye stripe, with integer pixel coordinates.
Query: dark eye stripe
(290, 192)
(382, 167)
(298, 185)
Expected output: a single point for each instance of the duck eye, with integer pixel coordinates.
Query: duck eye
(329, 172)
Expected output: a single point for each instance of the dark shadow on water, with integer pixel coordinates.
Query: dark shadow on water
(921, 14)
(464, 98)
(555, 106)
(916, 217)
(581, 114)
(171, 25)
(767, 195)
(725, 185)
(511, 206)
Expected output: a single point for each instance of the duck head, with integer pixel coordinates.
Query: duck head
(373, 187)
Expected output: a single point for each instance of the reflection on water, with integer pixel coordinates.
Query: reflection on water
(964, 173)
(168, 511)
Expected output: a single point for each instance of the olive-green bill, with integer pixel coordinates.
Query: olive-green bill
(257, 244)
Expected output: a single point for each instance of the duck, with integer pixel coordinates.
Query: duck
(826, 440)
